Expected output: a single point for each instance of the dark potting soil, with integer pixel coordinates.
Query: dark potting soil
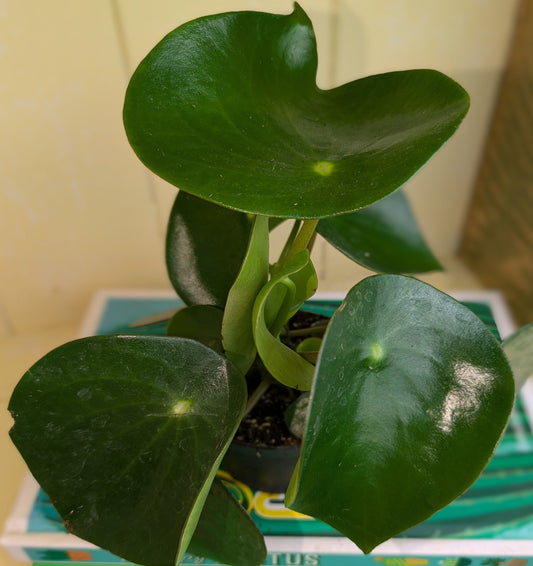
(265, 424)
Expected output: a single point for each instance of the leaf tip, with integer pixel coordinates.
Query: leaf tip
(297, 9)
(367, 542)
(300, 15)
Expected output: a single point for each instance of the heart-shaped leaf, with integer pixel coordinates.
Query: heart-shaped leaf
(411, 394)
(225, 531)
(226, 107)
(205, 248)
(125, 434)
(383, 237)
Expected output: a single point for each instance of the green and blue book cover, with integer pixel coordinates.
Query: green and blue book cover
(489, 525)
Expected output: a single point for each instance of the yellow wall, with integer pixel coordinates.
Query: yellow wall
(78, 212)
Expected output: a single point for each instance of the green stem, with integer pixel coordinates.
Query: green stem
(312, 242)
(256, 395)
(287, 247)
(303, 238)
(318, 329)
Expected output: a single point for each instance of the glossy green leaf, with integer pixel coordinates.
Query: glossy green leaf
(383, 237)
(237, 331)
(125, 434)
(411, 394)
(226, 107)
(519, 350)
(199, 322)
(205, 248)
(225, 531)
(275, 304)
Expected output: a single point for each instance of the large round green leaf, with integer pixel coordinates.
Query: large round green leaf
(276, 303)
(205, 248)
(383, 237)
(125, 435)
(227, 108)
(411, 395)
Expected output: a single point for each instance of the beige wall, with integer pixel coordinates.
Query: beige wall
(78, 212)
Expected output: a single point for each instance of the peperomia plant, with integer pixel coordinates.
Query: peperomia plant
(126, 433)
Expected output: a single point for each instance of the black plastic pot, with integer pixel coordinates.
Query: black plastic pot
(263, 468)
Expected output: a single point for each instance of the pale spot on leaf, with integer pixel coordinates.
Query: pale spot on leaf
(323, 168)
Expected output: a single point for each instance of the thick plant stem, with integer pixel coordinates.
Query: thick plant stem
(303, 238)
(287, 247)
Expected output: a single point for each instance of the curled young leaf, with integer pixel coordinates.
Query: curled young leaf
(278, 300)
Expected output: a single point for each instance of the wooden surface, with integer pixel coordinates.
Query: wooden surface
(498, 237)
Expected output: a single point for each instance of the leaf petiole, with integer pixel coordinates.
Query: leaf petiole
(256, 395)
(287, 247)
(303, 239)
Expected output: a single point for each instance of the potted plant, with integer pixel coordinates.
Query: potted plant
(126, 433)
